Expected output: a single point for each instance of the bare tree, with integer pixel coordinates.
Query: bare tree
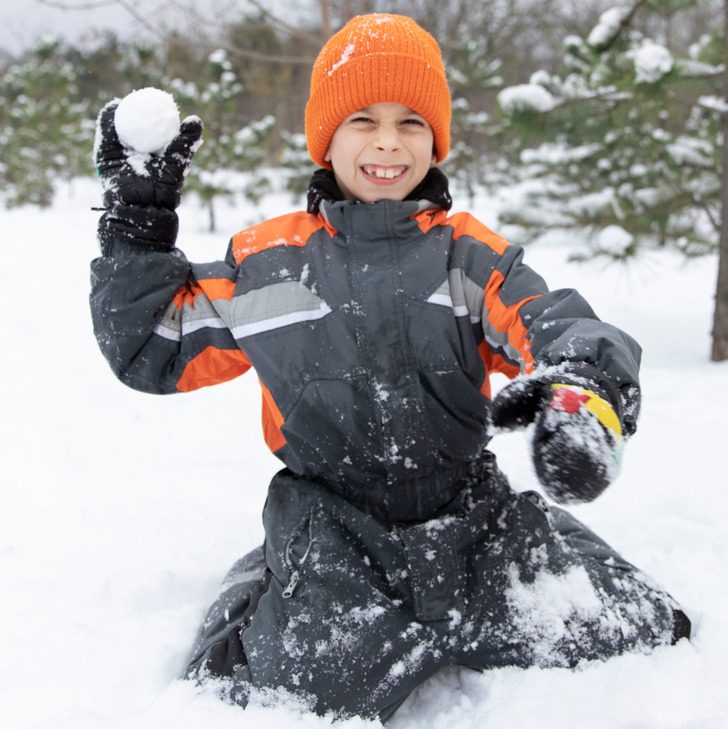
(719, 350)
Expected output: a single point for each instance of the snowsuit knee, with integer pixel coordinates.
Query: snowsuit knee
(352, 613)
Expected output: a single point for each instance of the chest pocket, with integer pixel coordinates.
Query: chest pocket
(444, 332)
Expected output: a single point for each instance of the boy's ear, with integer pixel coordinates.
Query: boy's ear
(327, 156)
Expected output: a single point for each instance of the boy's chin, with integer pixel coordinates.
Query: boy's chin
(393, 195)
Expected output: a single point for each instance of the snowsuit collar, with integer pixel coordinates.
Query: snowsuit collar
(432, 192)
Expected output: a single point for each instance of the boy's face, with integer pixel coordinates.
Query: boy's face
(381, 153)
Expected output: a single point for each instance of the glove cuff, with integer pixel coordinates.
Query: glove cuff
(148, 227)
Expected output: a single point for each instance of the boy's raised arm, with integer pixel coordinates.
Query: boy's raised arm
(154, 313)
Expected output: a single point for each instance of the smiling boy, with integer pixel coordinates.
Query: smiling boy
(394, 546)
(381, 152)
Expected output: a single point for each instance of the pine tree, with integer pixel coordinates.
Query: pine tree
(46, 131)
(230, 148)
(624, 141)
(472, 74)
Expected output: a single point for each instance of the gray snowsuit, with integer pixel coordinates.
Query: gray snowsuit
(393, 544)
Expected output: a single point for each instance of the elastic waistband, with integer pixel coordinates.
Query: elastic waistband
(419, 498)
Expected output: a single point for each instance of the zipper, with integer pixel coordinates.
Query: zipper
(295, 569)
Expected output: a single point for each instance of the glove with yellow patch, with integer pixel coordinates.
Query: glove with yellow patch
(579, 427)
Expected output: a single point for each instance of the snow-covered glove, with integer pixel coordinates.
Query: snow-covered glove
(142, 191)
(578, 431)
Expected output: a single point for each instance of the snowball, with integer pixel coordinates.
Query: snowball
(651, 63)
(525, 98)
(147, 120)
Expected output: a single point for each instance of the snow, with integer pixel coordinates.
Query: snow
(610, 23)
(715, 103)
(542, 609)
(122, 511)
(651, 62)
(614, 239)
(147, 120)
(344, 58)
(525, 98)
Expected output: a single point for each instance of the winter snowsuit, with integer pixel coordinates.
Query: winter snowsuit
(393, 544)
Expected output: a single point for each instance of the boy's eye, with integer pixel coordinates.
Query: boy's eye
(359, 119)
(414, 122)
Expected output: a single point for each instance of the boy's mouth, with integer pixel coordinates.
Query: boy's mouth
(383, 174)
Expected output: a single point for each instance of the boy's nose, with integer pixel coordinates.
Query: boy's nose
(387, 139)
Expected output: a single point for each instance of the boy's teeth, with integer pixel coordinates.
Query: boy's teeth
(384, 172)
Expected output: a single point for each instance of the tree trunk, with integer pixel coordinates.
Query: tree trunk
(325, 19)
(211, 224)
(720, 318)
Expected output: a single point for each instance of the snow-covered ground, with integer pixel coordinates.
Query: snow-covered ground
(121, 511)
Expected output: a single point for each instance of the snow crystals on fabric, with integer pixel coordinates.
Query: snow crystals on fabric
(548, 610)
(344, 58)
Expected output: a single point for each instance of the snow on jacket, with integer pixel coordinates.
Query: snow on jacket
(373, 329)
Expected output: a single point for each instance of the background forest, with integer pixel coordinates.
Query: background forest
(608, 116)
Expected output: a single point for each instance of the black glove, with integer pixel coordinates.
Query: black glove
(578, 428)
(141, 191)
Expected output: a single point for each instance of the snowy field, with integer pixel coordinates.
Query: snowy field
(122, 511)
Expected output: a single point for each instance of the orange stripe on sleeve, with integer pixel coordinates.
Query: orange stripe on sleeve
(293, 229)
(212, 366)
(466, 224)
(494, 363)
(507, 319)
(218, 288)
(213, 288)
(272, 421)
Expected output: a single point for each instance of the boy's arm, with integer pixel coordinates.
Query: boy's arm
(157, 318)
(579, 381)
(559, 331)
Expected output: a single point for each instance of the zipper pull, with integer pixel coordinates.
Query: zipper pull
(288, 592)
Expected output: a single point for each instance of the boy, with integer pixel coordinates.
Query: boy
(393, 544)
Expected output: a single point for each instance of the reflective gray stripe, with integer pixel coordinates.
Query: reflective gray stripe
(271, 307)
(247, 330)
(473, 295)
(499, 341)
(441, 299)
(449, 293)
(174, 335)
(465, 297)
(190, 318)
(195, 324)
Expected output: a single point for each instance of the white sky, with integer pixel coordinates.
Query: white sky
(23, 21)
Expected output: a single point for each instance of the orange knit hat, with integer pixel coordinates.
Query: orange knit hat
(377, 58)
